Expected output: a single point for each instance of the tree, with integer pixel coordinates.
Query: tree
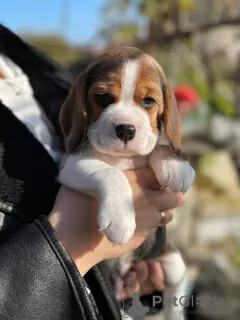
(168, 20)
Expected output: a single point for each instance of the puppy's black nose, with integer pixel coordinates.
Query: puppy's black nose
(125, 132)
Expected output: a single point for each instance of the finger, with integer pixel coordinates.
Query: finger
(141, 269)
(127, 293)
(136, 174)
(156, 275)
(123, 296)
(131, 284)
(165, 199)
(130, 279)
(147, 288)
(130, 291)
(166, 217)
(180, 198)
(144, 176)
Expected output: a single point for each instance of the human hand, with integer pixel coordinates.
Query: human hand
(74, 218)
(145, 277)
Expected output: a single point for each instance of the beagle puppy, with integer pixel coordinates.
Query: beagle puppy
(112, 120)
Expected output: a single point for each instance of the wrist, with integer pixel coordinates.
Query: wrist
(82, 250)
(74, 220)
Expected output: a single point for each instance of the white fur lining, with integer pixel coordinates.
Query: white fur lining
(16, 94)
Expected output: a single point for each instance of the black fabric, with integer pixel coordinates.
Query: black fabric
(27, 173)
(49, 80)
(98, 280)
(75, 280)
(38, 279)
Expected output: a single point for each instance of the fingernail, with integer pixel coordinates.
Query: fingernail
(180, 198)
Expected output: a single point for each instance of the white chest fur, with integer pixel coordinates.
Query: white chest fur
(101, 176)
(122, 163)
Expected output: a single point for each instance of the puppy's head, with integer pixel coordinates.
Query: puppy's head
(119, 103)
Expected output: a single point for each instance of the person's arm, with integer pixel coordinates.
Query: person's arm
(40, 264)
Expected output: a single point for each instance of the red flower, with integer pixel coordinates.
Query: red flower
(186, 93)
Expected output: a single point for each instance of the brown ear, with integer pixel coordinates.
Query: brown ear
(172, 122)
(73, 115)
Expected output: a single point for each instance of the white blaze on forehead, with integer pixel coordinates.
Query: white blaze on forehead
(129, 80)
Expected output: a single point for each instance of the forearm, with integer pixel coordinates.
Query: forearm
(84, 251)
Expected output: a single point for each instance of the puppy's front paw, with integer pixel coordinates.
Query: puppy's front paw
(171, 172)
(117, 218)
(179, 175)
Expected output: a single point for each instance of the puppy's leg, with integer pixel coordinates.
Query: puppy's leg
(175, 276)
(170, 172)
(110, 186)
(178, 176)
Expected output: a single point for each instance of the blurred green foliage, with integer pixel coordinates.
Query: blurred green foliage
(55, 46)
(183, 72)
(236, 259)
(182, 66)
(223, 96)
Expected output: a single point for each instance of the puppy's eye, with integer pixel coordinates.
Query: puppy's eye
(105, 99)
(148, 103)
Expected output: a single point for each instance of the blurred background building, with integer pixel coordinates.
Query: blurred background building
(197, 42)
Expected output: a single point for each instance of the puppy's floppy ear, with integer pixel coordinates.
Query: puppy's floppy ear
(172, 121)
(73, 115)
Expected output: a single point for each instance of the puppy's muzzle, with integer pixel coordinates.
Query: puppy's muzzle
(125, 132)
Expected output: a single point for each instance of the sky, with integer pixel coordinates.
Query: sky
(41, 16)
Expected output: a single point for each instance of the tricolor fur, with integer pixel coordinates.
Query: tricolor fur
(112, 122)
